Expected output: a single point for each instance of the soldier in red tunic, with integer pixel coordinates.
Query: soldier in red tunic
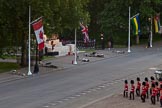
(147, 87)
(157, 90)
(161, 95)
(143, 94)
(153, 101)
(152, 82)
(138, 87)
(131, 94)
(125, 94)
(160, 80)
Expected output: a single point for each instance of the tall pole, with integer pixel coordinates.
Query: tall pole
(151, 34)
(75, 61)
(29, 70)
(129, 32)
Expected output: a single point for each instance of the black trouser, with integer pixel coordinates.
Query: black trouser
(147, 94)
(131, 95)
(161, 102)
(138, 92)
(153, 100)
(125, 94)
(143, 97)
(158, 95)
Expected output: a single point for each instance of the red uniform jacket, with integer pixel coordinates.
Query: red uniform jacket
(138, 85)
(144, 89)
(126, 87)
(154, 92)
(147, 86)
(132, 88)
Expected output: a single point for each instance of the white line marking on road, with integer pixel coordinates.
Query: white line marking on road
(88, 91)
(98, 88)
(53, 104)
(59, 101)
(102, 86)
(77, 95)
(66, 99)
(83, 93)
(72, 97)
(46, 106)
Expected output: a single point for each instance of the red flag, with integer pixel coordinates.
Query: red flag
(39, 32)
(85, 32)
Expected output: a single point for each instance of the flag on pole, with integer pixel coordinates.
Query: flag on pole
(136, 25)
(157, 23)
(85, 32)
(39, 32)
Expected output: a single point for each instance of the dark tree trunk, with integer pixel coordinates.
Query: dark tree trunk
(24, 50)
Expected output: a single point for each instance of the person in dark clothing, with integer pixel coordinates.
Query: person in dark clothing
(102, 41)
(112, 41)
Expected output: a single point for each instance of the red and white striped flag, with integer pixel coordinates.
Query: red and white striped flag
(85, 32)
(39, 32)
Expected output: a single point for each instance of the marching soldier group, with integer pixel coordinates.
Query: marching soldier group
(144, 90)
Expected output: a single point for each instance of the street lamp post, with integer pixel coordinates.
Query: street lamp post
(75, 61)
(151, 34)
(29, 67)
(129, 31)
(150, 19)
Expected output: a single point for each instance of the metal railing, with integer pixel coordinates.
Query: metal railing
(81, 45)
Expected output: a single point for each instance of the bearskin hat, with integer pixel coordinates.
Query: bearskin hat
(146, 79)
(156, 83)
(132, 82)
(152, 78)
(143, 83)
(138, 79)
(126, 82)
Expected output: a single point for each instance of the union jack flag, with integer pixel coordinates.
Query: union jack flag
(85, 32)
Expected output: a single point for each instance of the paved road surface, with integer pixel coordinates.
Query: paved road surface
(80, 85)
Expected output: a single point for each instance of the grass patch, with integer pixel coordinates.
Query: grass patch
(6, 66)
(48, 57)
(8, 57)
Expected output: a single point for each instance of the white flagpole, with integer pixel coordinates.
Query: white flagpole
(29, 70)
(75, 61)
(129, 32)
(151, 34)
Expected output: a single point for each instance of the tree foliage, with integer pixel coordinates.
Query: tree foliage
(58, 15)
(62, 16)
(112, 15)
